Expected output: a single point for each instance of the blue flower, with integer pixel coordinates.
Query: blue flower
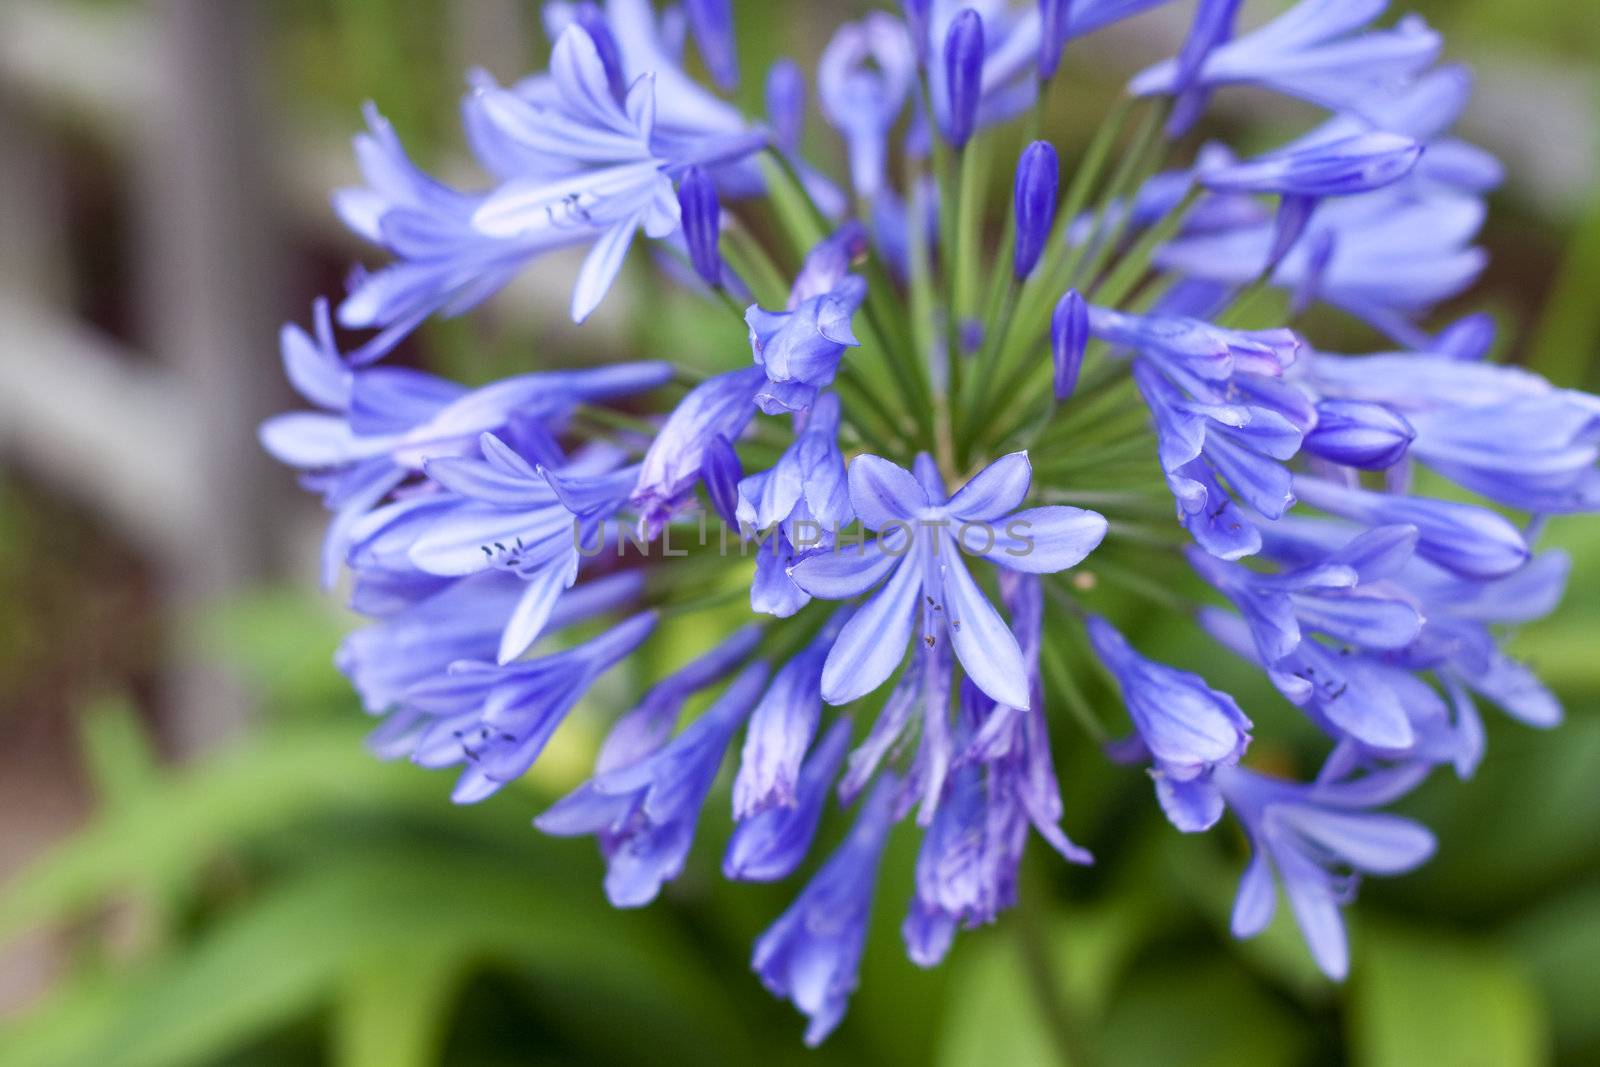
(1502, 432)
(771, 843)
(1303, 174)
(712, 23)
(506, 514)
(1003, 783)
(1188, 728)
(718, 407)
(702, 225)
(782, 727)
(919, 561)
(800, 503)
(645, 813)
(497, 719)
(469, 518)
(786, 104)
(1386, 256)
(800, 349)
(1213, 27)
(1069, 336)
(378, 424)
(1467, 540)
(643, 730)
(863, 79)
(1318, 840)
(463, 621)
(1326, 597)
(1315, 51)
(1461, 647)
(812, 954)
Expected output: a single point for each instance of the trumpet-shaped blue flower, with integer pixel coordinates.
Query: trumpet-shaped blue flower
(1318, 840)
(782, 727)
(1466, 540)
(645, 813)
(644, 729)
(863, 79)
(497, 719)
(720, 407)
(771, 843)
(800, 349)
(1188, 728)
(1326, 597)
(812, 954)
(463, 621)
(1316, 51)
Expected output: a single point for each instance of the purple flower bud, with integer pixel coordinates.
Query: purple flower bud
(963, 76)
(711, 21)
(970, 336)
(786, 103)
(702, 225)
(721, 470)
(589, 18)
(1069, 334)
(1054, 15)
(1356, 433)
(1038, 177)
(917, 16)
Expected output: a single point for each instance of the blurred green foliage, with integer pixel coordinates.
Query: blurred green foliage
(294, 901)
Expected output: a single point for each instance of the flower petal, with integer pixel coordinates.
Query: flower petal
(873, 642)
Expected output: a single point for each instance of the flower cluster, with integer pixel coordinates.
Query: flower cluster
(927, 429)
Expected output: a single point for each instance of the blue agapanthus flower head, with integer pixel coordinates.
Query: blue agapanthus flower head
(927, 480)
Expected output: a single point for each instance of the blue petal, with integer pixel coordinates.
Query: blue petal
(874, 641)
(1046, 540)
(883, 493)
(984, 644)
(997, 490)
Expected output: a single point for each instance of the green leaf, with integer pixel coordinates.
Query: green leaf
(116, 749)
(1012, 1002)
(1560, 945)
(990, 1015)
(395, 1007)
(166, 833)
(1424, 998)
(1199, 1013)
(418, 913)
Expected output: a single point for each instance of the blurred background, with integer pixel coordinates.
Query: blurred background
(199, 863)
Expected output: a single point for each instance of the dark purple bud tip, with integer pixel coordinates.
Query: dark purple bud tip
(721, 470)
(592, 21)
(702, 224)
(1069, 335)
(711, 22)
(963, 76)
(1038, 177)
(786, 103)
(971, 336)
(1356, 433)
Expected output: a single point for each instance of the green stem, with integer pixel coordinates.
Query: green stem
(1034, 945)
